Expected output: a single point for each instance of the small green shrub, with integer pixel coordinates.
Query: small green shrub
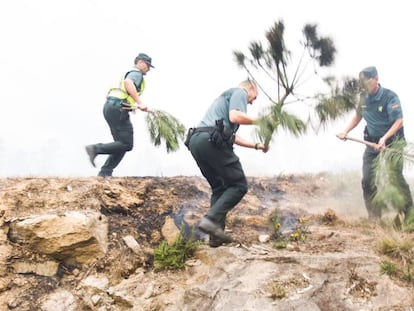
(299, 234)
(173, 257)
(389, 268)
(301, 231)
(275, 227)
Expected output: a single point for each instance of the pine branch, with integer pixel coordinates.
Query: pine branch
(269, 123)
(390, 160)
(163, 127)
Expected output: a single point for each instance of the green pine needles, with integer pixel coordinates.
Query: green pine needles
(276, 117)
(286, 74)
(389, 184)
(173, 257)
(162, 126)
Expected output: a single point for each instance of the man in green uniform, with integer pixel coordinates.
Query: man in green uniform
(211, 145)
(121, 99)
(381, 109)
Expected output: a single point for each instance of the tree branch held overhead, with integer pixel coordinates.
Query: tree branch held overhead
(272, 60)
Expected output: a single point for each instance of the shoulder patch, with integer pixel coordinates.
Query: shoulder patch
(393, 106)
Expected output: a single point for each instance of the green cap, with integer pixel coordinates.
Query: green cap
(145, 58)
(369, 72)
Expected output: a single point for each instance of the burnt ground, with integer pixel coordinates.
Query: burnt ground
(138, 206)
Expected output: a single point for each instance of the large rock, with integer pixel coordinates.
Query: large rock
(60, 299)
(73, 237)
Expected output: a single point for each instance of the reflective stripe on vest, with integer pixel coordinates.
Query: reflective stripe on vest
(119, 90)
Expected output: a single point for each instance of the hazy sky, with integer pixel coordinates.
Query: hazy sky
(58, 59)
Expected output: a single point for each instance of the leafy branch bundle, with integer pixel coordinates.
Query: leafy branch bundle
(162, 126)
(390, 161)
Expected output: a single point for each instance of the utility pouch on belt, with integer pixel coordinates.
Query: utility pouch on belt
(190, 133)
(124, 113)
(222, 136)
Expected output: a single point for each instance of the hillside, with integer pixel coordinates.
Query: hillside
(336, 266)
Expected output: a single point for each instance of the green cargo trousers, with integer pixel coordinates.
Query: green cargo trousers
(122, 133)
(224, 173)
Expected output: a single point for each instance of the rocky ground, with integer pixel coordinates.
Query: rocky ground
(336, 266)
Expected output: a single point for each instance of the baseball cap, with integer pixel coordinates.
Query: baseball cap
(145, 58)
(369, 72)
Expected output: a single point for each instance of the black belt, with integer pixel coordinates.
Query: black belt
(204, 129)
(111, 98)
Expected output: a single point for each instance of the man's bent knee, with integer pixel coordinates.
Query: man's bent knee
(242, 187)
(127, 146)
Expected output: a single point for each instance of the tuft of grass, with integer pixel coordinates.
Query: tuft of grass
(173, 257)
(280, 244)
(389, 268)
(329, 218)
(400, 252)
(408, 225)
(277, 291)
(397, 247)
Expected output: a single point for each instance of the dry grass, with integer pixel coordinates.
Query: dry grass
(398, 247)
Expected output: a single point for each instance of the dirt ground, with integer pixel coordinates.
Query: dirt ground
(138, 206)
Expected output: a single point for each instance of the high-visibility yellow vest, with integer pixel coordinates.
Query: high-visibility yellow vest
(119, 90)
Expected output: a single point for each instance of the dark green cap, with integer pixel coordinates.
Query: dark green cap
(369, 72)
(145, 58)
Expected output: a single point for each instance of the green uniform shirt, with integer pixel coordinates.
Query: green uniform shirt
(233, 98)
(380, 111)
(137, 77)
